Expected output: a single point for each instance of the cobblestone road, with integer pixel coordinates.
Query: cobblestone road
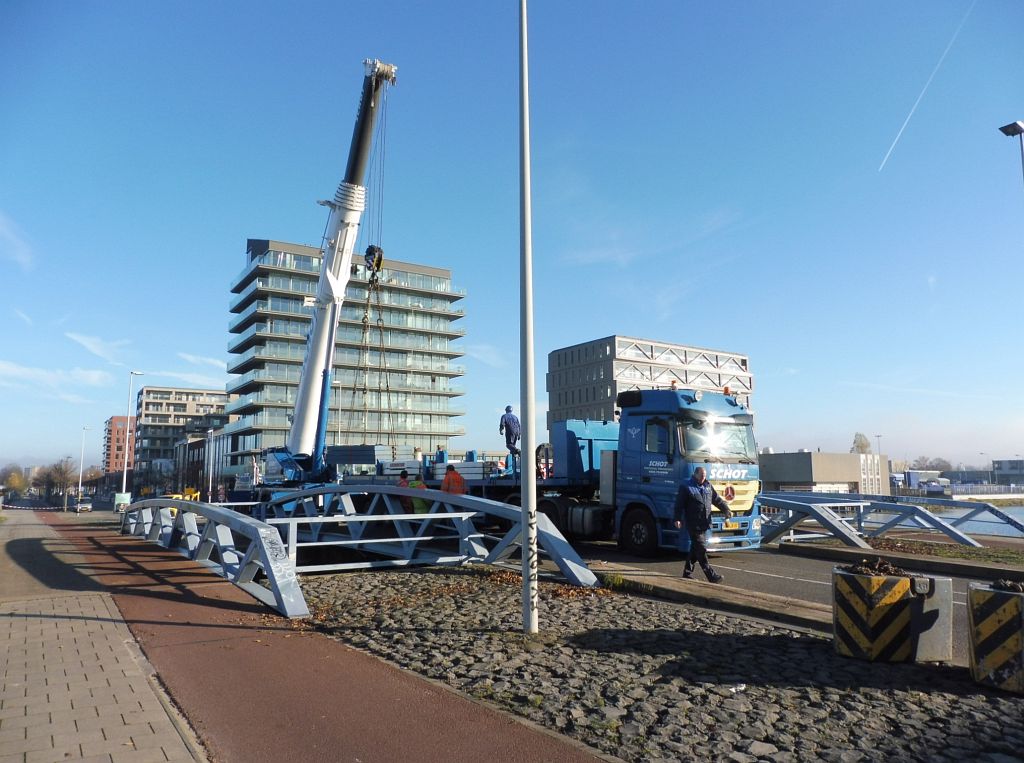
(647, 680)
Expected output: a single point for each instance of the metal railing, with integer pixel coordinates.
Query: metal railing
(235, 546)
(449, 529)
(849, 516)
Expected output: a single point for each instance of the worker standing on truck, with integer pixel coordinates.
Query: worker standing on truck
(453, 482)
(509, 426)
(693, 505)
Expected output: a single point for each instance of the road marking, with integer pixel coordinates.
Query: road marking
(799, 580)
(772, 575)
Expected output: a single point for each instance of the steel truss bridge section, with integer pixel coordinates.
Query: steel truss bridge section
(785, 512)
(835, 512)
(235, 546)
(372, 519)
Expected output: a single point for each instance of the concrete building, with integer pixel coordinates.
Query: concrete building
(806, 472)
(393, 383)
(198, 461)
(161, 416)
(1008, 471)
(584, 379)
(115, 446)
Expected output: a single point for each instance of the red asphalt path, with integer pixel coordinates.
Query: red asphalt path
(255, 688)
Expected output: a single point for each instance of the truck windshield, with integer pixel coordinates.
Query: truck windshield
(721, 439)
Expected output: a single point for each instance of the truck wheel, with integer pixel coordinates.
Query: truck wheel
(638, 535)
(555, 511)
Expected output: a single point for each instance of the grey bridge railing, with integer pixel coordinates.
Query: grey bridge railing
(849, 516)
(449, 531)
(239, 548)
(235, 546)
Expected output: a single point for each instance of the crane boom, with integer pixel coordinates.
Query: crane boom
(302, 458)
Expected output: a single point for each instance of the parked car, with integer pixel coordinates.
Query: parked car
(84, 504)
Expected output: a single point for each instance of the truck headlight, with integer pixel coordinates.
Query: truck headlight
(755, 524)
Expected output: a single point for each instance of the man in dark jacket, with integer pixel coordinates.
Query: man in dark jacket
(693, 504)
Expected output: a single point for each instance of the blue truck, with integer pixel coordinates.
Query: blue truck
(619, 479)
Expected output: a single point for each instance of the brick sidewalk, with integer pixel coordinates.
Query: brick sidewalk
(73, 682)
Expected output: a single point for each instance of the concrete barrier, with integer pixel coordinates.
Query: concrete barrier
(996, 624)
(888, 618)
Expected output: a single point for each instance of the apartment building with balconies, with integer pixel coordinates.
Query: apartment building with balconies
(393, 375)
(161, 417)
(117, 445)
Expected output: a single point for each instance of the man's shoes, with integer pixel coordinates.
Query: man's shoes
(715, 577)
(687, 575)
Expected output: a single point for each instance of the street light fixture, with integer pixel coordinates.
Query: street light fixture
(1015, 129)
(128, 430)
(81, 464)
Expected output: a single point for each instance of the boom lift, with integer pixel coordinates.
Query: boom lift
(302, 457)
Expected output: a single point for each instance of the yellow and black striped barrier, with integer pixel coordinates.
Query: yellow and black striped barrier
(997, 637)
(886, 618)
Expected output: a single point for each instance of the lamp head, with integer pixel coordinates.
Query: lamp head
(1012, 129)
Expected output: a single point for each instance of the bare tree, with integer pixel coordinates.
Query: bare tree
(861, 443)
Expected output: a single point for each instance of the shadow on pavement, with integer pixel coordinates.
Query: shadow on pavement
(772, 660)
(38, 558)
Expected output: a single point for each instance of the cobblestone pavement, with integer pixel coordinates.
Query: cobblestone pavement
(649, 680)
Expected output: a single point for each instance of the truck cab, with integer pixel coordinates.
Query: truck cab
(663, 436)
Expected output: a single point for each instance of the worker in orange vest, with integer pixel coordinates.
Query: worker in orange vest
(453, 482)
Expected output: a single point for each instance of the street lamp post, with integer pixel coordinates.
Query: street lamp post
(1015, 129)
(209, 466)
(989, 470)
(128, 430)
(879, 438)
(81, 464)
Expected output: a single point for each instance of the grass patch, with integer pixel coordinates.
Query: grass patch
(1009, 556)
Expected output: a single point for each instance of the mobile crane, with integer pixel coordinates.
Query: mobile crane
(302, 458)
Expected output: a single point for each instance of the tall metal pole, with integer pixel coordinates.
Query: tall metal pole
(81, 464)
(528, 465)
(128, 430)
(209, 467)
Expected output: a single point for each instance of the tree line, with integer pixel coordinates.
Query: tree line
(53, 481)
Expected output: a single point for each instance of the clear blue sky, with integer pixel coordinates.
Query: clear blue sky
(703, 173)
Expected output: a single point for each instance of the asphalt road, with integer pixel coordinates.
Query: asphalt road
(767, 571)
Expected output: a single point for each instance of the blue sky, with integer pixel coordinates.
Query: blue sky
(709, 174)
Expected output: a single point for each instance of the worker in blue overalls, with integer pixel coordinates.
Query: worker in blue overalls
(509, 426)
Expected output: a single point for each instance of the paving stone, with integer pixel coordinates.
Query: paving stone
(699, 684)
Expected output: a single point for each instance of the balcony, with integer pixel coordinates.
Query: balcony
(280, 261)
(267, 307)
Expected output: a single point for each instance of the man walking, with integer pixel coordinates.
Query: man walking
(509, 426)
(693, 505)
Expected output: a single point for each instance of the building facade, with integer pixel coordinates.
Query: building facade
(814, 472)
(161, 417)
(118, 443)
(1008, 471)
(393, 381)
(583, 380)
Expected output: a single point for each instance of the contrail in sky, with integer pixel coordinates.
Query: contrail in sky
(925, 88)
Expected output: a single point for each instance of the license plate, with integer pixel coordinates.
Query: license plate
(730, 525)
